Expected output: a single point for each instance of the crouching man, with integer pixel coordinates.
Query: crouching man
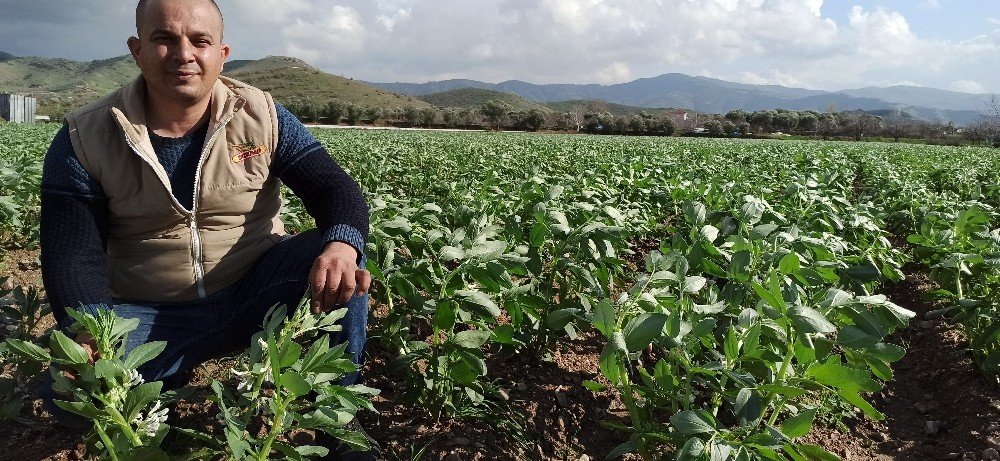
(161, 201)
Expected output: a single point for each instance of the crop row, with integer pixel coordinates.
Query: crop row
(757, 311)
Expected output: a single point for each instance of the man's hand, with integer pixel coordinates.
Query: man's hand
(89, 344)
(335, 277)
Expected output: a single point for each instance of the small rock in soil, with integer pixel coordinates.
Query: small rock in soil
(561, 399)
(991, 454)
(521, 387)
(458, 441)
(8, 284)
(953, 455)
(926, 324)
(503, 395)
(932, 427)
(993, 442)
(584, 458)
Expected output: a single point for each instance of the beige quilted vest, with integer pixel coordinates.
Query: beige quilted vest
(157, 250)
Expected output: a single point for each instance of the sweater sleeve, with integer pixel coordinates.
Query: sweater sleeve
(73, 234)
(329, 194)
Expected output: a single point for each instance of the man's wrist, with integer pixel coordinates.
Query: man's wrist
(342, 233)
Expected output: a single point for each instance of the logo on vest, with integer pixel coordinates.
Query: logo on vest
(247, 150)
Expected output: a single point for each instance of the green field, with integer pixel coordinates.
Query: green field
(736, 286)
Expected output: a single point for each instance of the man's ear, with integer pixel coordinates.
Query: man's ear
(133, 47)
(225, 52)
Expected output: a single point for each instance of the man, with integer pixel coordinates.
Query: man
(161, 202)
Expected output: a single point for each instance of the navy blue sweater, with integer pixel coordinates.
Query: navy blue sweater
(74, 215)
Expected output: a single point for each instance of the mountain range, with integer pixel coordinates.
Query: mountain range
(63, 84)
(710, 95)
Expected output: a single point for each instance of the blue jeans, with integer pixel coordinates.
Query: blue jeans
(224, 322)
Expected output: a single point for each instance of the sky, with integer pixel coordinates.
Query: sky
(816, 44)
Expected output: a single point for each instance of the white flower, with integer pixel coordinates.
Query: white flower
(133, 378)
(246, 379)
(149, 424)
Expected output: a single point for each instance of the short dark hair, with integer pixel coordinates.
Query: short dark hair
(140, 9)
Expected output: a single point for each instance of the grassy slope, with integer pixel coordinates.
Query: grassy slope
(62, 85)
(474, 98)
(617, 110)
(289, 78)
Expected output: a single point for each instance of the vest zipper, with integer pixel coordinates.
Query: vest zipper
(196, 253)
(199, 266)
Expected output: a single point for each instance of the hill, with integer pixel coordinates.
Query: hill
(474, 98)
(62, 85)
(704, 94)
(290, 78)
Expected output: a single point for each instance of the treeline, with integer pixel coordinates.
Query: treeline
(596, 119)
(494, 114)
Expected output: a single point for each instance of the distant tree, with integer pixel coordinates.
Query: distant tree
(786, 121)
(763, 120)
(333, 111)
(531, 119)
(450, 117)
(807, 122)
(989, 125)
(744, 128)
(428, 116)
(496, 112)
(354, 113)
(728, 127)
(737, 116)
(411, 115)
(861, 124)
(714, 128)
(664, 126)
(827, 125)
(373, 114)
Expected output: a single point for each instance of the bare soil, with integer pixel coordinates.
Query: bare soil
(936, 381)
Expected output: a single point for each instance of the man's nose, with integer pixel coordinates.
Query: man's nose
(183, 50)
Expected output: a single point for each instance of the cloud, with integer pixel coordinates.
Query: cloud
(967, 86)
(787, 42)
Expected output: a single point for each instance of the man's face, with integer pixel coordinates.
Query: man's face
(180, 49)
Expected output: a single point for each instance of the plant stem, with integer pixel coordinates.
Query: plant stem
(276, 423)
(107, 441)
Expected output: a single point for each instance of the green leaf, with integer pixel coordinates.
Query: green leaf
(140, 396)
(771, 298)
(817, 453)
(610, 365)
(29, 350)
(691, 422)
(642, 330)
(471, 339)
(789, 263)
(85, 409)
(488, 250)
(478, 302)
(694, 284)
(66, 348)
(798, 425)
(449, 253)
(809, 320)
(594, 386)
(144, 353)
(604, 317)
(693, 450)
(444, 316)
(295, 383)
